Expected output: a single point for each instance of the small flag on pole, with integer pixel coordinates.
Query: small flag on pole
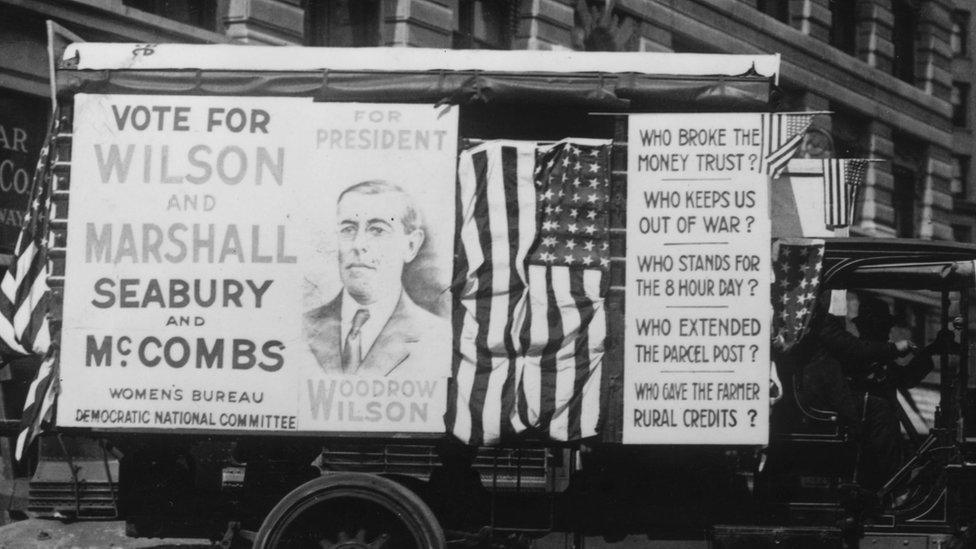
(529, 318)
(842, 178)
(797, 263)
(782, 135)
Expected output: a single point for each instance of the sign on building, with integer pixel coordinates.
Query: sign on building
(22, 124)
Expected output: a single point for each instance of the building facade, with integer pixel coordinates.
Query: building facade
(897, 74)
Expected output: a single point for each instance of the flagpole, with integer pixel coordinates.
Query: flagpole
(605, 113)
(58, 39)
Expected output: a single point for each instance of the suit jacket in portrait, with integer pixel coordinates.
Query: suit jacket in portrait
(411, 343)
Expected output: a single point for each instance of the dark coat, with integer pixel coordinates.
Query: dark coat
(403, 347)
(826, 357)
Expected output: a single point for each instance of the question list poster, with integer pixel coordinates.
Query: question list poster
(696, 357)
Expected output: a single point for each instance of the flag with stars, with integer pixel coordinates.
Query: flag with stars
(24, 299)
(23, 288)
(782, 134)
(842, 179)
(797, 265)
(532, 252)
(565, 324)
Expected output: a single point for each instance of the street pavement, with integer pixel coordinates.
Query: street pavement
(52, 534)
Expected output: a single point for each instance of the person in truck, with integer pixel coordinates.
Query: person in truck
(853, 374)
(835, 358)
(878, 380)
(372, 327)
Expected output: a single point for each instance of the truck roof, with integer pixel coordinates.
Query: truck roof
(595, 81)
(110, 56)
(898, 263)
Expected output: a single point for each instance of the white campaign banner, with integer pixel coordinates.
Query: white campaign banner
(257, 264)
(696, 357)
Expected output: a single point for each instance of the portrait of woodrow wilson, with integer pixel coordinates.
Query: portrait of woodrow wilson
(372, 327)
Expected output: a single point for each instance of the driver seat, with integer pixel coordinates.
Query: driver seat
(811, 454)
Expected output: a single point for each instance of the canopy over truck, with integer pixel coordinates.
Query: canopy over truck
(650, 81)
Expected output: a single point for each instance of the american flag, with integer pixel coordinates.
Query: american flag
(782, 135)
(565, 323)
(842, 178)
(530, 325)
(797, 264)
(24, 298)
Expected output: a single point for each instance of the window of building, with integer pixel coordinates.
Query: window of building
(903, 201)
(483, 24)
(960, 175)
(23, 120)
(907, 163)
(958, 42)
(343, 23)
(199, 13)
(903, 35)
(843, 25)
(777, 9)
(959, 97)
(850, 132)
(962, 233)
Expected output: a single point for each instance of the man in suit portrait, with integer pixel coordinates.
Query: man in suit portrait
(372, 327)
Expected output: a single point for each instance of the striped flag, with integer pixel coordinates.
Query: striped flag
(496, 223)
(39, 405)
(565, 322)
(782, 135)
(24, 298)
(797, 263)
(530, 325)
(842, 177)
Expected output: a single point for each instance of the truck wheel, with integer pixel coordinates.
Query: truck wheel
(351, 511)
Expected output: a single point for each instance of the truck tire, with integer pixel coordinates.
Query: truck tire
(351, 511)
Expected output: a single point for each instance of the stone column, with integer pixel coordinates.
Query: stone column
(936, 196)
(545, 25)
(418, 23)
(811, 17)
(653, 37)
(270, 22)
(877, 217)
(875, 23)
(934, 58)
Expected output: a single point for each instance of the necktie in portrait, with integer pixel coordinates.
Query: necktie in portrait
(352, 350)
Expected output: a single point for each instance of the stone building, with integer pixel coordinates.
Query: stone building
(898, 74)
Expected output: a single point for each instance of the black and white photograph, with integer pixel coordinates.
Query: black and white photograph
(376, 268)
(373, 325)
(492, 274)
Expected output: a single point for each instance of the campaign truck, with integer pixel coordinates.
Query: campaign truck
(325, 297)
